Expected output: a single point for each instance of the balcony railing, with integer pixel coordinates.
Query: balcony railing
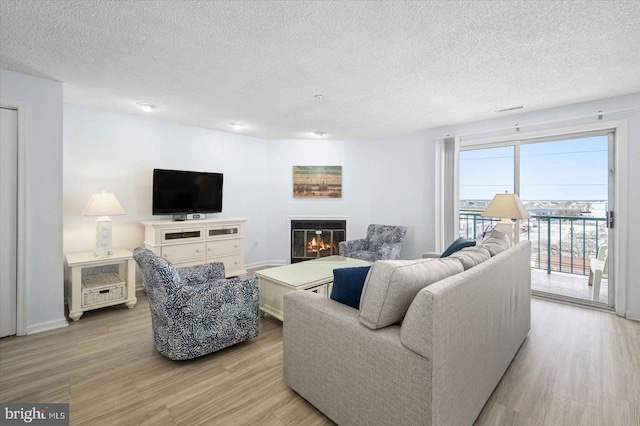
(559, 243)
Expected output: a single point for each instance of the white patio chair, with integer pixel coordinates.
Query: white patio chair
(597, 268)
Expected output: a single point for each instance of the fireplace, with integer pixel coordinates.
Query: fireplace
(311, 239)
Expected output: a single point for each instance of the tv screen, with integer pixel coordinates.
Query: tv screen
(178, 191)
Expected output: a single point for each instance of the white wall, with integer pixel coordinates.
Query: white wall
(384, 180)
(43, 221)
(117, 153)
(387, 181)
(626, 108)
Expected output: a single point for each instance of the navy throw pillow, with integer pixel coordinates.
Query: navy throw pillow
(347, 285)
(458, 245)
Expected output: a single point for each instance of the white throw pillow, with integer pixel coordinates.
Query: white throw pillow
(496, 242)
(472, 256)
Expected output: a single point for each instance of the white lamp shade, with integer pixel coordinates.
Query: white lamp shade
(103, 204)
(506, 206)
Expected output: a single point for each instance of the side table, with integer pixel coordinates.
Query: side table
(89, 290)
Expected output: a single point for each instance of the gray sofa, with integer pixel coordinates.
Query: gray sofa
(412, 355)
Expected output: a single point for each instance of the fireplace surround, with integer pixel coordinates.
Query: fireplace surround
(314, 238)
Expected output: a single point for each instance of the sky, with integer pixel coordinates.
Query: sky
(571, 169)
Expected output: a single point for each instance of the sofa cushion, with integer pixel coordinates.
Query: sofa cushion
(458, 245)
(496, 242)
(392, 284)
(472, 256)
(347, 285)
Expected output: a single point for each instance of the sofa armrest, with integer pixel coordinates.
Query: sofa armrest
(346, 247)
(201, 274)
(352, 374)
(431, 255)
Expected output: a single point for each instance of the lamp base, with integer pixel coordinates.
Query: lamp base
(507, 226)
(103, 237)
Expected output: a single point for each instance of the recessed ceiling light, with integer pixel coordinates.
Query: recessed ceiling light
(509, 109)
(319, 134)
(147, 107)
(237, 125)
(319, 97)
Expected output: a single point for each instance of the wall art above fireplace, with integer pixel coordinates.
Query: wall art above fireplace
(317, 181)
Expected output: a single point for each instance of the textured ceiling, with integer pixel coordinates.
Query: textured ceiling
(384, 67)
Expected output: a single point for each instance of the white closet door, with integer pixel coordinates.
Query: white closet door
(8, 219)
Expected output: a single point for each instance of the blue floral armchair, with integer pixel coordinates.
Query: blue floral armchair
(383, 242)
(195, 310)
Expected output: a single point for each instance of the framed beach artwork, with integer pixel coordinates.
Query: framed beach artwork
(317, 181)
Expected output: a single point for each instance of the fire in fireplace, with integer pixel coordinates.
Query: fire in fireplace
(317, 245)
(311, 239)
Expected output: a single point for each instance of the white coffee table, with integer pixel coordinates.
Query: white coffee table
(316, 275)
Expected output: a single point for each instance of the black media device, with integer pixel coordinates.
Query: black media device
(180, 192)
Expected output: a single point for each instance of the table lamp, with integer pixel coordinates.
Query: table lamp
(509, 208)
(103, 204)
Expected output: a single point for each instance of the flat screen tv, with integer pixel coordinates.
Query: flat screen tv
(178, 192)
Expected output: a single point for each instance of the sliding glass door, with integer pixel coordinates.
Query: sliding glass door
(566, 183)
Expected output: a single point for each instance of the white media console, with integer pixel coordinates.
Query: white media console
(188, 243)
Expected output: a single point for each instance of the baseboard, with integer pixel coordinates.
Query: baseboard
(46, 326)
(633, 315)
(259, 265)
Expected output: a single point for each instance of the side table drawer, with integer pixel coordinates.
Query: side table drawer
(102, 288)
(183, 251)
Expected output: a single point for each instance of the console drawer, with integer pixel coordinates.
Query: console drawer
(182, 235)
(232, 262)
(222, 231)
(183, 251)
(215, 248)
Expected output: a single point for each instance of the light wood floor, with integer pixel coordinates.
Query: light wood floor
(576, 367)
